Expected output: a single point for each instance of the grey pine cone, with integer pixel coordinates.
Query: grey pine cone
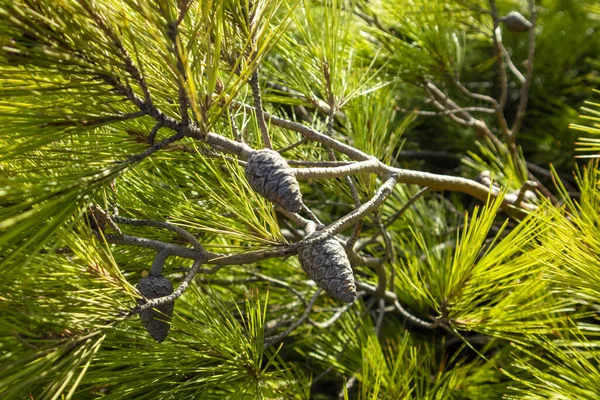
(270, 176)
(516, 22)
(156, 322)
(327, 264)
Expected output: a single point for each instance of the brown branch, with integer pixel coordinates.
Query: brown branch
(293, 145)
(324, 164)
(452, 111)
(130, 67)
(165, 225)
(173, 33)
(524, 95)
(234, 128)
(511, 65)
(310, 134)
(372, 165)
(474, 95)
(497, 39)
(154, 148)
(255, 85)
(240, 149)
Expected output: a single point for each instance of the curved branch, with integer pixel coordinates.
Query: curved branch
(277, 338)
(372, 165)
(524, 95)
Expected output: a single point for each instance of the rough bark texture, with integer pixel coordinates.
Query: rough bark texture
(327, 264)
(156, 320)
(270, 176)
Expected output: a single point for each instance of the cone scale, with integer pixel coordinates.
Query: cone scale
(156, 320)
(326, 263)
(270, 176)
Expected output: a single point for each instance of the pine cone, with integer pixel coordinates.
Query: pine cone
(156, 322)
(516, 22)
(327, 264)
(97, 218)
(271, 177)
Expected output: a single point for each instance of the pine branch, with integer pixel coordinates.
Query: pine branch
(524, 94)
(270, 341)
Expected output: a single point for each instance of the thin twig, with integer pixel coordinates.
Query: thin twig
(312, 215)
(278, 338)
(293, 145)
(389, 254)
(339, 313)
(264, 131)
(381, 279)
(511, 65)
(184, 101)
(310, 133)
(130, 67)
(451, 111)
(184, 7)
(234, 128)
(524, 94)
(497, 39)
(474, 95)
(277, 282)
(240, 149)
(405, 207)
(377, 200)
(153, 132)
(154, 148)
(165, 225)
(257, 278)
(297, 218)
(528, 185)
(358, 225)
(392, 298)
(415, 320)
(380, 315)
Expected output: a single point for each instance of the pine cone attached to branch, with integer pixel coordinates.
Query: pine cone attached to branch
(516, 22)
(156, 320)
(270, 176)
(327, 264)
(97, 218)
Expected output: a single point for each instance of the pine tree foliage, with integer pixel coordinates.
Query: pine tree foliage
(592, 117)
(420, 133)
